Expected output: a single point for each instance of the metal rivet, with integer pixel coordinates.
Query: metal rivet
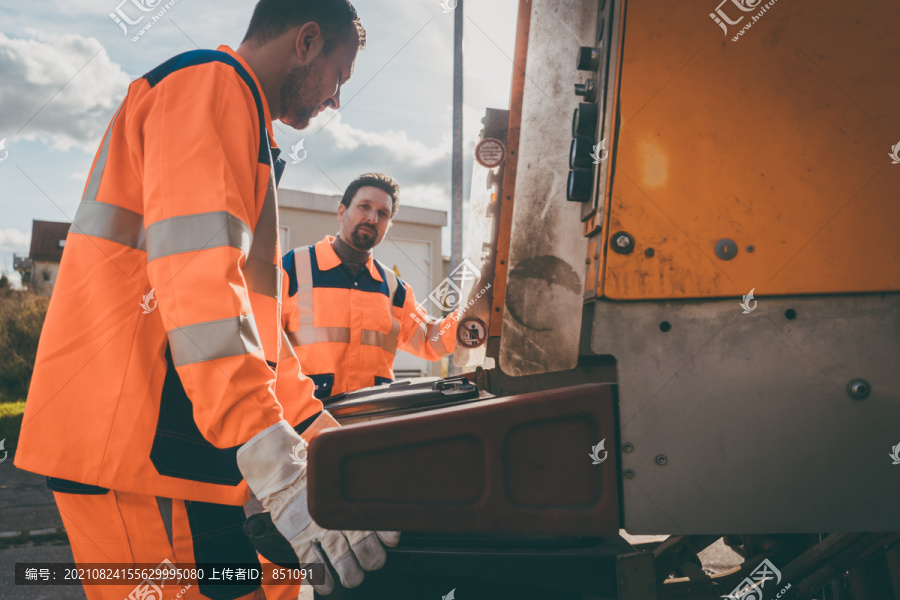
(627, 447)
(622, 242)
(751, 249)
(628, 473)
(858, 389)
(661, 459)
(648, 252)
(790, 314)
(726, 249)
(665, 326)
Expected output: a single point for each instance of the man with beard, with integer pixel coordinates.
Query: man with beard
(348, 314)
(157, 397)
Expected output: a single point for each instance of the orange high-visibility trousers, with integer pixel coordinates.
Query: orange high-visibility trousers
(120, 529)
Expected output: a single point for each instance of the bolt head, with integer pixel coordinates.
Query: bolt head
(622, 241)
(628, 473)
(627, 447)
(661, 459)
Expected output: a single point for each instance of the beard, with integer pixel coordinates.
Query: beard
(364, 237)
(297, 95)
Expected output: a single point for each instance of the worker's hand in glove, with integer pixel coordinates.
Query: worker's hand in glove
(274, 464)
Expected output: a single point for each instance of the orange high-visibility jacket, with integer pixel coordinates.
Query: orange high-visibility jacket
(346, 329)
(163, 351)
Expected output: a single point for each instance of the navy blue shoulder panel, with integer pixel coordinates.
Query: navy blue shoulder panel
(400, 294)
(202, 57)
(287, 263)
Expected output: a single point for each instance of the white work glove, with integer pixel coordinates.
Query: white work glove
(268, 463)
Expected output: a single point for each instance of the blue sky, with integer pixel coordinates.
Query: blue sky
(65, 65)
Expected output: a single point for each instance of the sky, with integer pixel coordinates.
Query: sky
(65, 66)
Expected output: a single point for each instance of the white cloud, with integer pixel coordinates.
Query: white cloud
(13, 240)
(78, 93)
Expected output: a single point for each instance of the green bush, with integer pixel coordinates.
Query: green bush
(21, 319)
(10, 422)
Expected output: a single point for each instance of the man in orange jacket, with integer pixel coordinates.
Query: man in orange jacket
(347, 313)
(156, 403)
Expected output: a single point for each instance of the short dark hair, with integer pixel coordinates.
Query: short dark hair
(376, 180)
(337, 18)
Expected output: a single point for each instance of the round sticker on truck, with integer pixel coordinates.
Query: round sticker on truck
(490, 153)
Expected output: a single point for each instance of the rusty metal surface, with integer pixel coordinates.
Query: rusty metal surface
(779, 141)
(546, 259)
(752, 415)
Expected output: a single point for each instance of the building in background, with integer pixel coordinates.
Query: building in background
(40, 267)
(412, 248)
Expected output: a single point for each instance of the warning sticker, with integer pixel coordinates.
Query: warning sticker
(490, 153)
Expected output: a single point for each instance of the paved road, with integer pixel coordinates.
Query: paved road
(57, 554)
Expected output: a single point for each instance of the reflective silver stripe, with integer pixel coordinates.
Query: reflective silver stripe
(262, 270)
(214, 339)
(303, 297)
(263, 278)
(286, 350)
(110, 222)
(93, 185)
(371, 337)
(165, 511)
(389, 343)
(189, 233)
(104, 220)
(319, 335)
(391, 279)
(386, 341)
